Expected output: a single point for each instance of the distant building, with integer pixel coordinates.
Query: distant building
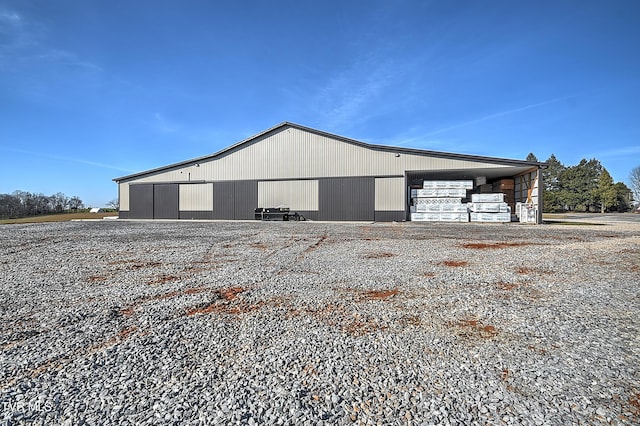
(320, 175)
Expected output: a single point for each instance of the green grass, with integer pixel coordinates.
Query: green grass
(63, 217)
(554, 215)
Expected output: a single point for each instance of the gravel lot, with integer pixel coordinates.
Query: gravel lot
(117, 322)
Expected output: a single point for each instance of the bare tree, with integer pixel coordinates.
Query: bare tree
(58, 202)
(22, 203)
(114, 204)
(75, 203)
(634, 179)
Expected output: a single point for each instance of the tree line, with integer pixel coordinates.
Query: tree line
(584, 187)
(24, 204)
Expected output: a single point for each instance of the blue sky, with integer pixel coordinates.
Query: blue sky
(91, 90)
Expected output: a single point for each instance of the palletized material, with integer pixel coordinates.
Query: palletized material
(490, 207)
(527, 212)
(439, 192)
(424, 217)
(488, 198)
(438, 184)
(490, 217)
(503, 184)
(440, 201)
(447, 207)
(454, 217)
(418, 201)
(440, 217)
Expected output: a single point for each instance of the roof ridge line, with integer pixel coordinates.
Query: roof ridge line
(377, 147)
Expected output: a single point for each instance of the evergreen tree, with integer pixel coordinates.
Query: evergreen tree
(623, 196)
(578, 184)
(585, 186)
(605, 193)
(532, 157)
(551, 179)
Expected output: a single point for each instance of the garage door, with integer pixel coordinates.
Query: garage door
(141, 201)
(347, 199)
(165, 201)
(235, 200)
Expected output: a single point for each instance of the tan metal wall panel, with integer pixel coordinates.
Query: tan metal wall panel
(196, 197)
(124, 196)
(390, 194)
(297, 154)
(297, 195)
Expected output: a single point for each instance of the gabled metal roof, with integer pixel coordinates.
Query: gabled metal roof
(384, 148)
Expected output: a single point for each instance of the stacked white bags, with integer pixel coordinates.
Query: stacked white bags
(489, 208)
(440, 201)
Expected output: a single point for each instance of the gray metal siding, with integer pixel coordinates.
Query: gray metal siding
(165, 201)
(329, 199)
(390, 216)
(235, 200)
(141, 201)
(347, 199)
(196, 214)
(223, 200)
(246, 199)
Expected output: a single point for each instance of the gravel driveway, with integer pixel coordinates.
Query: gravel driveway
(117, 322)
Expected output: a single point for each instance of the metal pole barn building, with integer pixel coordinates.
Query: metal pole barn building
(319, 175)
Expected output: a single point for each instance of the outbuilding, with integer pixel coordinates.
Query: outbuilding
(319, 175)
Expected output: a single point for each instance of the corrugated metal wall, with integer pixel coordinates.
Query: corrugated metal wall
(246, 199)
(296, 194)
(235, 200)
(347, 199)
(223, 200)
(141, 201)
(303, 170)
(295, 154)
(196, 197)
(390, 194)
(123, 195)
(165, 201)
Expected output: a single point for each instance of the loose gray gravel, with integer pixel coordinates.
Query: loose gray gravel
(117, 322)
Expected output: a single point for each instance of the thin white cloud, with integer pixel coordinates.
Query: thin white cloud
(67, 159)
(496, 115)
(424, 142)
(347, 96)
(349, 93)
(413, 141)
(412, 138)
(24, 45)
(15, 33)
(11, 18)
(618, 152)
(164, 125)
